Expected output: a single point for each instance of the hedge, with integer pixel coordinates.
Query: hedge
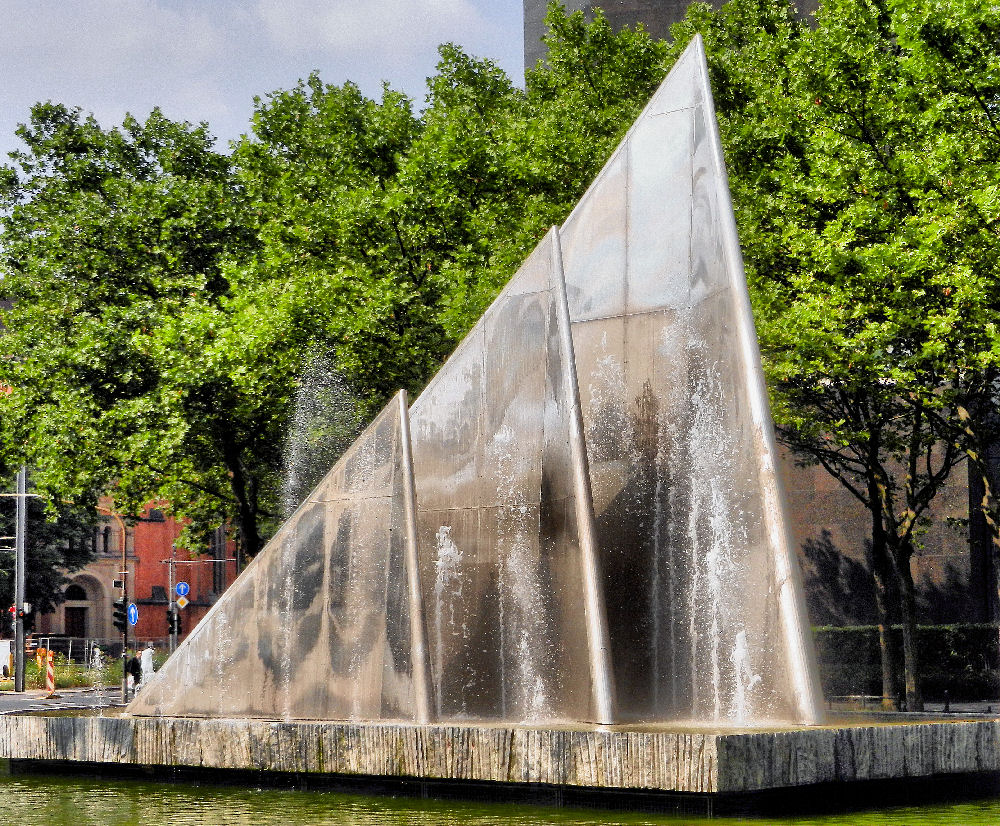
(960, 659)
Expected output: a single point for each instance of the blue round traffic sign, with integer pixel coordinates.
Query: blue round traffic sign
(133, 613)
(182, 589)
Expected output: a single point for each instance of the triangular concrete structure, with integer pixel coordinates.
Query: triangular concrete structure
(585, 523)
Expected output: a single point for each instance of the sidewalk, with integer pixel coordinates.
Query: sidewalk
(34, 693)
(932, 711)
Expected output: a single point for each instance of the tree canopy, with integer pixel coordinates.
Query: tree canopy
(166, 296)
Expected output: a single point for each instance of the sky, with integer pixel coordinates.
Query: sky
(205, 60)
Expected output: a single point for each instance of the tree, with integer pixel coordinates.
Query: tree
(863, 171)
(54, 547)
(110, 238)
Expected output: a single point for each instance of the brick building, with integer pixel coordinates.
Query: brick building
(87, 611)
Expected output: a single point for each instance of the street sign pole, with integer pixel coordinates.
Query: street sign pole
(20, 527)
(179, 593)
(125, 625)
(173, 603)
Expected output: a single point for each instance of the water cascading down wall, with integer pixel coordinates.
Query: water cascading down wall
(578, 520)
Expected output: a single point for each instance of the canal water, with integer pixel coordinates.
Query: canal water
(61, 801)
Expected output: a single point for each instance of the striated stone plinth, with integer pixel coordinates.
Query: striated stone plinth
(692, 761)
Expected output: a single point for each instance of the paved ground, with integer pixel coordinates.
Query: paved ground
(34, 700)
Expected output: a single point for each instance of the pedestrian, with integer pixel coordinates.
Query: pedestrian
(146, 663)
(134, 670)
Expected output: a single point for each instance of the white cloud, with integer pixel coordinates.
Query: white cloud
(206, 59)
(99, 38)
(370, 28)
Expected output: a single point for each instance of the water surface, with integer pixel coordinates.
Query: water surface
(60, 801)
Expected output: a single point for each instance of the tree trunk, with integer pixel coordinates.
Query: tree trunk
(881, 570)
(246, 517)
(911, 663)
(981, 550)
(984, 531)
(880, 566)
(244, 490)
(982, 429)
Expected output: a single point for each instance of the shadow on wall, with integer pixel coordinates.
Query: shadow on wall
(840, 591)
(945, 598)
(839, 588)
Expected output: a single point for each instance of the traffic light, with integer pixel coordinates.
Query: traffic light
(27, 620)
(118, 615)
(173, 622)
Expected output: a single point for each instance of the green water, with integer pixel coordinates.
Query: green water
(58, 801)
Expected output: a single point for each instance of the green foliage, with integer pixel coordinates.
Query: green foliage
(960, 659)
(68, 675)
(57, 543)
(166, 297)
(112, 240)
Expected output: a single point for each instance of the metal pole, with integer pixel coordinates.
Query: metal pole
(423, 689)
(125, 603)
(598, 636)
(172, 643)
(20, 528)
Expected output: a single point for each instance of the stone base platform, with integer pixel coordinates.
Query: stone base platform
(653, 760)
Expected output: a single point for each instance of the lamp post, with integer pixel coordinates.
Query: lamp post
(124, 586)
(20, 528)
(20, 607)
(173, 602)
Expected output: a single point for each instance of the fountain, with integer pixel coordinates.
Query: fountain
(324, 422)
(99, 670)
(599, 441)
(565, 565)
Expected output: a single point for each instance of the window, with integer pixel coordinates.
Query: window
(106, 547)
(76, 592)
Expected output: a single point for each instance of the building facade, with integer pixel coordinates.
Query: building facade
(149, 554)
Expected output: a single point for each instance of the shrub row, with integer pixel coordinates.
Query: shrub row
(960, 659)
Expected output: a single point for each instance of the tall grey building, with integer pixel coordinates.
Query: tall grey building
(656, 15)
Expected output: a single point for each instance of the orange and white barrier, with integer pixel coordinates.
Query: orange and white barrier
(50, 674)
